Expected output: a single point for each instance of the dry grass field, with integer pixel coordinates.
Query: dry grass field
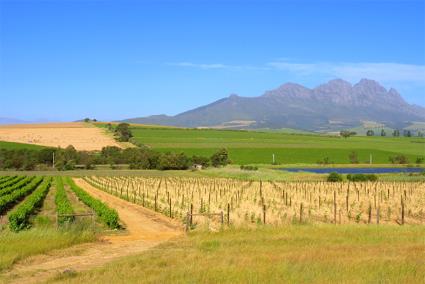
(82, 136)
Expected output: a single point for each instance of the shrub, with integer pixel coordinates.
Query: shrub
(12, 198)
(399, 159)
(63, 206)
(107, 215)
(220, 158)
(18, 218)
(199, 160)
(334, 177)
(249, 168)
(173, 161)
(362, 177)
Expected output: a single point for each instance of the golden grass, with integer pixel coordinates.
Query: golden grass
(292, 254)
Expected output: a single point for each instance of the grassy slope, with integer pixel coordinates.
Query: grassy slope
(17, 146)
(257, 147)
(294, 254)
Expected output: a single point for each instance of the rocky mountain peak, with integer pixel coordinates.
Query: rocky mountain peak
(290, 90)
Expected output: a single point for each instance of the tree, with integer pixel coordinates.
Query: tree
(370, 133)
(199, 160)
(334, 177)
(383, 133)
(346, 133)
(220, 158)
(396, 133)
(407, 133)
(123, 131)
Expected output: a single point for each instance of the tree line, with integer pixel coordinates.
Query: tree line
(137, 158)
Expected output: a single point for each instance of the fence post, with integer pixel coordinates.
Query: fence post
(228, 214)
(264, 214)
(191, 215)
(222, 218)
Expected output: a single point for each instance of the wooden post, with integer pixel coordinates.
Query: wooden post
(402, 210)
(156, 197)
(222, 218)
(264, 214)
(228, 214)
(191, 215)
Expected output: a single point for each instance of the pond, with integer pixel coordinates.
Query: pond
(355, 170)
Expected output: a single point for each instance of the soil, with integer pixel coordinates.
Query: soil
(144, 230)
(83, 136)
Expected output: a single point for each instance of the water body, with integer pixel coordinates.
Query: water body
(355, 170)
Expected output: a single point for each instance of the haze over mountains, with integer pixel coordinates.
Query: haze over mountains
(334, 105)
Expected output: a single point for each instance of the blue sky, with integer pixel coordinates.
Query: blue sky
(65, 60)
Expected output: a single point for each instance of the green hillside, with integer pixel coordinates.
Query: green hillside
(16, 146)
(258, 147)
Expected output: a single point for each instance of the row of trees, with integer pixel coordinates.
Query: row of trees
(383, 133)
(395, 133)
(137, 158)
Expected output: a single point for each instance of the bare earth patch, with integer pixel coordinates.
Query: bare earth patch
(82, 136)
(145, 229)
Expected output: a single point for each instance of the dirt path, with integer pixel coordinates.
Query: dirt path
(145, 228)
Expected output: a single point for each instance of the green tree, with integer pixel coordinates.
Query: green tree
(123, 131)
(370, 133)
(220, 158)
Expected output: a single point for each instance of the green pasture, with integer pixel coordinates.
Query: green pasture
(18, 146)
(258, 147)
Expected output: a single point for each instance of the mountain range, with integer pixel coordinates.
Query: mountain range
(334, 105)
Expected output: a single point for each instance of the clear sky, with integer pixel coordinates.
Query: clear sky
(66, 60)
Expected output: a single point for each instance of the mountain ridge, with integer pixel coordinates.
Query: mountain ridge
(334, 105)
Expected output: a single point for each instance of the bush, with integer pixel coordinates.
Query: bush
(249, 168)
(6, 201)
(63, 205)
(334, 177)
(173, 161)
(420, 160)
(362, 177)
(399, 159)
(18, 218)
(220, 158)
(107, 215)
(199, 160)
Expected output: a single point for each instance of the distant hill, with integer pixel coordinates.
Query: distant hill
(7, 120)
(331, 106)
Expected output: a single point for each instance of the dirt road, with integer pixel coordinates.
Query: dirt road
(145, 228)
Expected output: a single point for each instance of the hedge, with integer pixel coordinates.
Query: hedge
(108, 215)
(18, 218)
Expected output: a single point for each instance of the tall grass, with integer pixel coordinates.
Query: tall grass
(16, 246)
(293, 254)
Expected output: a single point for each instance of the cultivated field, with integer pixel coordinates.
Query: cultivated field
(243, 203)
(40, 215)
(258, 147)
(82, 136)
